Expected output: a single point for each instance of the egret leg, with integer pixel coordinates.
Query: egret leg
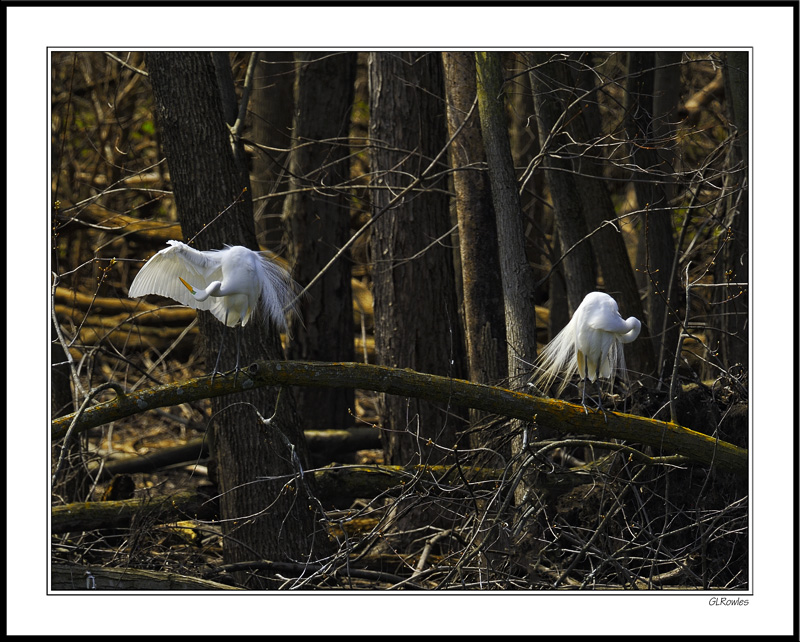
(215, 372)
(238, 347)
(585, 383)
(600, 394)
(600, 400)
(599, 390)
(583, 396)
(221, 344)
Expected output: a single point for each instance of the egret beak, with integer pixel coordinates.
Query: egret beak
(188, 287)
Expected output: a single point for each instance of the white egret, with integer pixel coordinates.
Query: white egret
(232, 284)
(590, 344)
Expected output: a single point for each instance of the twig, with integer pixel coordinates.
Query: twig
(126, 65)
(68, 437)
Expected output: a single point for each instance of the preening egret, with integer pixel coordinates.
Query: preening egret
(232, 284)
(590, 344)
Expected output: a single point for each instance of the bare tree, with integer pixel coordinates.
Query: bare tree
(482, 286)
(516, 273)
(416, 311)
(734, 264)
(261, 519)
(580, 271)
(657, 231)
(584, 125)
(271, 109)
(317, 217)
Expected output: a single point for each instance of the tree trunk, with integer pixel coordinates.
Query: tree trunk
(484, 321)
(733, 266)
(260, 518)
(318, 224)
(416, 311)
(524, 141)
(666, 101)
(520, 312)
(579, 264)
(517, 282)
(271, 112)
(607, 241)
(658, 237)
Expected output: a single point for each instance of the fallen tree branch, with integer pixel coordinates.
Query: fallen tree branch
(328, 442)
(547, 413)
(301, 570)
(332, 483)
(75, 577)
(89, 516)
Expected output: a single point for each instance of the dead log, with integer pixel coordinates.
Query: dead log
(333, 485)
(75, 577)
(329, 443)
(89, 516)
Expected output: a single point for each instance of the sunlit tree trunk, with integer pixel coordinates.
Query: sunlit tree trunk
(524, 140)
(480, 264)
(520, 313)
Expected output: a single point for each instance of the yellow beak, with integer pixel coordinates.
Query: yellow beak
(188, 287)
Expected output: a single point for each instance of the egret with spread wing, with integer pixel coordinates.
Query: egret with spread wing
(233, 284)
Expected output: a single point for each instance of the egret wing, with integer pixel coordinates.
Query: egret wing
(160, 275)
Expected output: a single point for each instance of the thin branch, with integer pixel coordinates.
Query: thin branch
(126, 65)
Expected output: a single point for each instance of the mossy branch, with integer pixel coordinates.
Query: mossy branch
(665, 437)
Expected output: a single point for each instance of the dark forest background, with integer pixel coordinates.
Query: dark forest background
(445, 213)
